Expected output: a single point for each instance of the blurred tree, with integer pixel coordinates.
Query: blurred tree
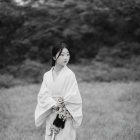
(29, 29)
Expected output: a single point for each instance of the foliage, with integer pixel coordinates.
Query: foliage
(31, 71)
(7, 81)
(103, 72)
(29, 31)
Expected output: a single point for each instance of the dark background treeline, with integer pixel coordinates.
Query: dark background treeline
(100, 30)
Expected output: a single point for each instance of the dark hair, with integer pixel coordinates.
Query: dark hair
(58, 48)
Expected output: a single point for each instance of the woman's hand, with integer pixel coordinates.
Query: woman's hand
(55, 107)
(60, 104)
(60, 101)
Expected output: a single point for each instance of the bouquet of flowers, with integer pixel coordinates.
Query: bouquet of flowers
(61, 117)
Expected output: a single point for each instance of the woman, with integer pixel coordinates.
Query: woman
(59, 101)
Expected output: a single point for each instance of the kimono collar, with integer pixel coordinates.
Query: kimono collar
(60, 70)
(58, 74)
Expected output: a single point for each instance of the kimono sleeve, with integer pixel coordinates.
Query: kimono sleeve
(74, 101)
(44, 104)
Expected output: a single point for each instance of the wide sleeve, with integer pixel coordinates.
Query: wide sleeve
(74, 101)
(44, 104)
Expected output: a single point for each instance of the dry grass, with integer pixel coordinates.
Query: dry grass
(111, 112)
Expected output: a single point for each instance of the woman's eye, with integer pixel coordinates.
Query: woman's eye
(65, 54)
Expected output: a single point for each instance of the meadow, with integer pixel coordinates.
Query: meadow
(111, 110)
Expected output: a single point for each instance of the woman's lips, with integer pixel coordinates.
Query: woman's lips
(65, 61)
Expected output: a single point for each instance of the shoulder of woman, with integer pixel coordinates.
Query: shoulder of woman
(46, 74)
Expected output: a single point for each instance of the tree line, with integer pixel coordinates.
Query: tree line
(94, 29)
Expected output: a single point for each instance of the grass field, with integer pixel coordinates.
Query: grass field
(111, 111)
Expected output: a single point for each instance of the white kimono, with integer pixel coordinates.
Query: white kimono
(65, 86)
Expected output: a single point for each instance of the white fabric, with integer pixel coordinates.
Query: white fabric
(65, 86)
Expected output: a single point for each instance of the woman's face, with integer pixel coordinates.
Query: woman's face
(64, 57)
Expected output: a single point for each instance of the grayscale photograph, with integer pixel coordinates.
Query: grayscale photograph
(69, 69)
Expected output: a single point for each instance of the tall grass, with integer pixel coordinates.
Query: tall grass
(111, 112)
(108, 115)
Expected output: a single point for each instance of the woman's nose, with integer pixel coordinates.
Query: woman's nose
(65, 57)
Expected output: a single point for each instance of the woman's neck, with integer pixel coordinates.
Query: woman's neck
(57, 68)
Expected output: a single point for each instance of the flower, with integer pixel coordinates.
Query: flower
(61, 117)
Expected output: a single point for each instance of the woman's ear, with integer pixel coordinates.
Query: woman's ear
(54, 58)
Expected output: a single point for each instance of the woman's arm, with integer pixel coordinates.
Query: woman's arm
(74, 101)
(44, 104)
